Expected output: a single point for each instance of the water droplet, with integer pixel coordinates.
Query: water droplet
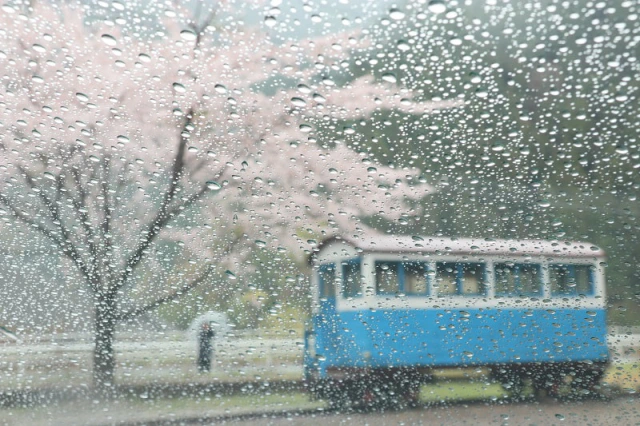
(389, 77)
(123, 139)
(303, 88)
(328, 82)
(481, 93)
(220, 88)
(179, 88)
(37, 79)
(560, 416)
(437, 6)
(188, 35)
(49, 176)
(396, 14)
(299, 102)
(348, 130)
(213, 185)
(498, 146)
(260, 243)
(270, 21)
(144, 57)
(621, 149)
(192, 149)
(305, 128)
(319, 98)
(230, 275)
(177, 112)
(108, 39)
(38, 48)
(403, 45)
(372, 170)
(82, 97)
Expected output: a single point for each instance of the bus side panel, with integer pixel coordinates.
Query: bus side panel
(341, 342)
(396, 338)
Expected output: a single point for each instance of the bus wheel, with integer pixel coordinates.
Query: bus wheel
(512, 382)
(411, 395)
(584, 384)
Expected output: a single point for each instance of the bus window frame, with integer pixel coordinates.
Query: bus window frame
(542, 280)
(402, 289)
(343, 278)
(321, 282)
(571, 266)
(459, 277)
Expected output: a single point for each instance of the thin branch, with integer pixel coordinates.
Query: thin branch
(154, 229)
(166, 299)
(106, 207)
(56, 219)
(82, 210)
(62, 245)
(162, 216)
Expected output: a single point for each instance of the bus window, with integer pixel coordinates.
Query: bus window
(446, 278)
(516, 279)
(352, 285)
(571, 279)
(387, 277)
(327, 281)
(460, 278)
(473, 278)
(415, 278)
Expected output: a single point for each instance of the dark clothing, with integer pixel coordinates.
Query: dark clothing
(204, 348)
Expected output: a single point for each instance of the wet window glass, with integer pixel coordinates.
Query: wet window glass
(518, 279)
(415, 278)
(351, 279)
(460, 278)
(446, 280)
(571, 279)
(327, 281)
(388, 277)
(233, 211)
(409, 278)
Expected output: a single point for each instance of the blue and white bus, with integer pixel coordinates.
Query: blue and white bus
(388, 310)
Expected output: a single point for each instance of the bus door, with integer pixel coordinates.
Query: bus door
(325, 321)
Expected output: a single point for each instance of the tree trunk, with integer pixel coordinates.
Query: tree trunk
(103, 352)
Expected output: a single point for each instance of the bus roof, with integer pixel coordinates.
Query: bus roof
(464, 246)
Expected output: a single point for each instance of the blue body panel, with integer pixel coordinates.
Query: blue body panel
(454, 337)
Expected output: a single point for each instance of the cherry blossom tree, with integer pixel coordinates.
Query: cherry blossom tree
(113, 141)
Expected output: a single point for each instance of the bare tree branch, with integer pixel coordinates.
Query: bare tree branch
(82, 210)
(62, 245)
(168, 298)
(54, 214)
(154, 229)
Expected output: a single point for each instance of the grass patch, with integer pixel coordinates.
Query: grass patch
(461, 391)
(625, 377)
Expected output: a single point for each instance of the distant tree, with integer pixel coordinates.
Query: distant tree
(115, 144)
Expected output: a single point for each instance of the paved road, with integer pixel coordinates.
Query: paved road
(621, 411)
